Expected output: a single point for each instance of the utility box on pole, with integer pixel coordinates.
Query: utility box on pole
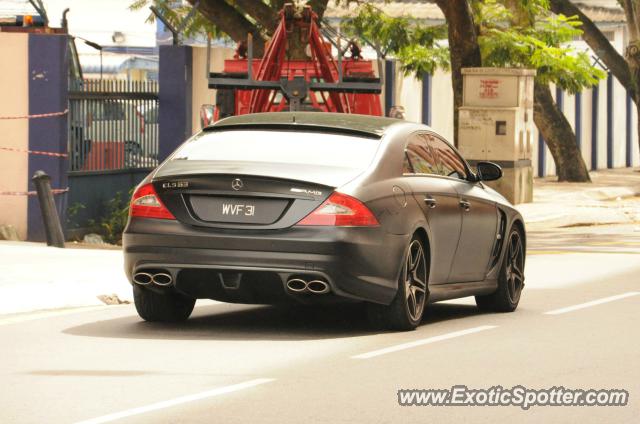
(496, 124)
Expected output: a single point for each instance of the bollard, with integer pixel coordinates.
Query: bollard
(52, 226)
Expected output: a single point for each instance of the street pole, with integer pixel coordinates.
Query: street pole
(50, 218)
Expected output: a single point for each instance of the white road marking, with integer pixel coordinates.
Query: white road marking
(422, 342)
(592, 303)
(177, 401)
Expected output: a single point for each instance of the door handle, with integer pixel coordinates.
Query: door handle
(465, 205)
(431, 202)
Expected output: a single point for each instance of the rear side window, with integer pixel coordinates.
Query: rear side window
(420, 157)
(286, 147)
(449, 162)
(428, 154)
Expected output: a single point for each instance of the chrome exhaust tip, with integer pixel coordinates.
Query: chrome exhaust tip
(318, 287)
(162, 279)
(142, 278)
(297, 285)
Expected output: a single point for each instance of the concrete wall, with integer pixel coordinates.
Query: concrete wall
(34, 81)
(201, 95)
(14, 133)
(442, 104)
(587, 131)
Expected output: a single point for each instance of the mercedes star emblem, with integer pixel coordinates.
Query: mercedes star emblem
(237, 184)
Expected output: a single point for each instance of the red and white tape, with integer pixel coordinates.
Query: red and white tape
(35, 152)
(39, 115)
(32, 193)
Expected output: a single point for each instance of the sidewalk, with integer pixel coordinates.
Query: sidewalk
(611, 198)
(36, 277)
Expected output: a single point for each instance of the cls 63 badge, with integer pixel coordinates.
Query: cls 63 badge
(176, 184)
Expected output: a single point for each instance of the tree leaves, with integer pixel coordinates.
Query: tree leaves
(418, 47)
(543, 46)
(512, 33)
(175, 13)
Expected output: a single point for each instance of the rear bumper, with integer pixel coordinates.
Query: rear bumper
(358, 263)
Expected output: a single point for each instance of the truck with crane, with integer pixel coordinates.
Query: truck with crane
(298, 72)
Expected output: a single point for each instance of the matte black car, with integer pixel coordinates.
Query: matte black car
(320, 207)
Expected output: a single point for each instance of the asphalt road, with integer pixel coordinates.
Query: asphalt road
(258, 364)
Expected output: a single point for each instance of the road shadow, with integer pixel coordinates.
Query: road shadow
(243, 322)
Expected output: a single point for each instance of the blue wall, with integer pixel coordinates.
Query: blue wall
(175, 78)
(47, 94)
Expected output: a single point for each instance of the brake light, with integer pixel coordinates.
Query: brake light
(146, 204)
(341, 210)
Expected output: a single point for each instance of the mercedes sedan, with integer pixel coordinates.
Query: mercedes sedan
(309, 207)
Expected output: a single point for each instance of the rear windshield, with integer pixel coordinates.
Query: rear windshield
(295, 147)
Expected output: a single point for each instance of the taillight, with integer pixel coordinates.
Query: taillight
(342, 211)
(147, 204)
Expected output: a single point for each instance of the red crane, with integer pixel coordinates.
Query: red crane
(297, 72)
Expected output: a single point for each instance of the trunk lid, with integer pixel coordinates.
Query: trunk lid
(239, 201)
(264, 179)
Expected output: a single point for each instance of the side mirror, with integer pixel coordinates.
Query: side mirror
(207, 115)
(489, 171)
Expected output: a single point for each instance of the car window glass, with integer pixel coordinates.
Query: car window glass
(448, 162)
(406, 165)
(301, 148)
(421, 156)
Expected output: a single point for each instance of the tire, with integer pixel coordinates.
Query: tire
(162, 307)
(510, 280)
(407, 308)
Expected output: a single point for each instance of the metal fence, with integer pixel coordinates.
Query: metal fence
(113, 125)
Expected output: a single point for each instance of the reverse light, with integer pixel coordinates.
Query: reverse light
(146, 204)
(341, 210)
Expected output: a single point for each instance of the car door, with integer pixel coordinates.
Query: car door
(439, 203)
(479, 215)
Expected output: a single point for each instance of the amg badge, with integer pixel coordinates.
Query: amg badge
(305, 191)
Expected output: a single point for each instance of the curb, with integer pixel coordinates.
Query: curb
(612, 193)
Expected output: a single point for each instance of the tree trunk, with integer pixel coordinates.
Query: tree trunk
(559, 136)
(318, 6)
(261, 12)
(463, 44)
(632, 56)
(625, 69)
(232, 23)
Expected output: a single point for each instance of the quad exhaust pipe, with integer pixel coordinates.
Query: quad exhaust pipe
(158, 278)
(298, 285)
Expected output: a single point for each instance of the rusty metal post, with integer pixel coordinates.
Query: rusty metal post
(50, 218)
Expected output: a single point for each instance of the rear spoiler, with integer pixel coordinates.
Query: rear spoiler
(220, 126)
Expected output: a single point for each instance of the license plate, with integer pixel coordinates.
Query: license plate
(237, 209)
(247, 210)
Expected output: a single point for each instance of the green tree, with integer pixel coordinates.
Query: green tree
(508, 33)
(626, 69)
(416, 46)
(233, 18)
(463, 46)
(534, 38)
